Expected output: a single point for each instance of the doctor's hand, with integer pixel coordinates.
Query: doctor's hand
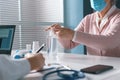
(36, 61)
(61, 33)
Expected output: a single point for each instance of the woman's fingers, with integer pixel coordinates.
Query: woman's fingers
(53, 27)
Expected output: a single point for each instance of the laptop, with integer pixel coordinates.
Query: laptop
(6, 38)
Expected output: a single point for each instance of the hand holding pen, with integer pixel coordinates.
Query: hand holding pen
(36, 52)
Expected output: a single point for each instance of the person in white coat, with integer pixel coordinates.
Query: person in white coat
(15, 69)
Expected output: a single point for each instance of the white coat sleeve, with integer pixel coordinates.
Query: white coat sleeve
(11, 69)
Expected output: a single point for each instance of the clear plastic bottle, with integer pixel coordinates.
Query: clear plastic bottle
(52, 46)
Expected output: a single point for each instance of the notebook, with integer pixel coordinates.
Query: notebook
(6, 38)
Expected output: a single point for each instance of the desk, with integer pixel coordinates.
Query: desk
(77, 61)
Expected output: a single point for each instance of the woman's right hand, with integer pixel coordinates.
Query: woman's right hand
(55, 28)
(62, 33)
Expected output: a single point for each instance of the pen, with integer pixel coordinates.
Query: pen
(41, 47)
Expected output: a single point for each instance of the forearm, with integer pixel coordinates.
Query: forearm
(68, 44)
(98, 41)
(13, 69)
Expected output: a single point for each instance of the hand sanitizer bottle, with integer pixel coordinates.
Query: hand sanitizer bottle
(52, 46)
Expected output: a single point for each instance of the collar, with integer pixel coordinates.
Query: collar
(105, 18)
(112, 9)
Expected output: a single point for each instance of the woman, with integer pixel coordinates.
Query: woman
(99, 31)
(15, 69)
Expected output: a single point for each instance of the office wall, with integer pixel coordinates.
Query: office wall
(73, 13)
(0, 42)
(87, 7)
(118, 4)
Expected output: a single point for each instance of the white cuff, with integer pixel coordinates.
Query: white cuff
(74, 37)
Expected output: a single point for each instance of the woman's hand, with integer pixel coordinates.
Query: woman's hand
(65, 33)
(54, 28)
(61, 33)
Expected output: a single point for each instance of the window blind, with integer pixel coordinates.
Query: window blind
(9, 15)
(31, 17)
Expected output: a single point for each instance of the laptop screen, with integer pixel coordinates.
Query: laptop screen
(6, 38)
